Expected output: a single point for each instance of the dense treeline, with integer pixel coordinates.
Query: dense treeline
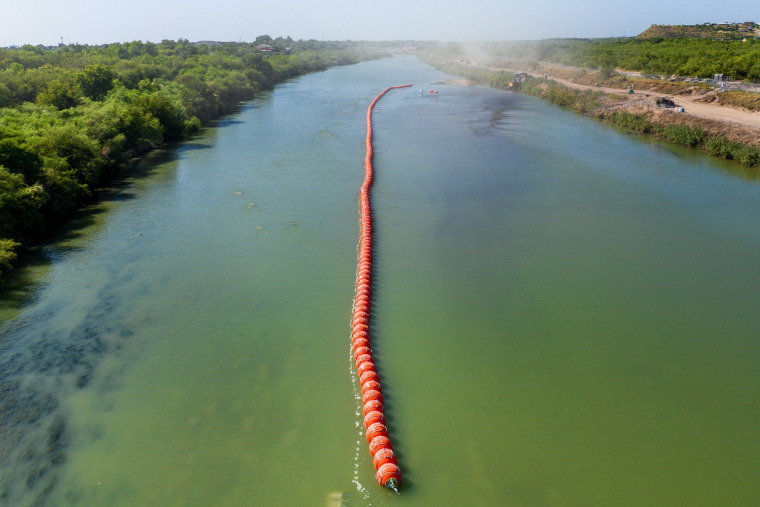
(71, 116)
(658, 56)
(683, 57)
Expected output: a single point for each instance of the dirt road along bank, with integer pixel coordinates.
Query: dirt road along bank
(735, 124)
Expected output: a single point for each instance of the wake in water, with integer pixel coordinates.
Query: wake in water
(359, 486)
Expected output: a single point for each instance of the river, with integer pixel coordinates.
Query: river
(563, 314)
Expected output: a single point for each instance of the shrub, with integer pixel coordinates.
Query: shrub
(684, 135)
(636, 122)
(748, 155)
(7, 253)
(720, 147)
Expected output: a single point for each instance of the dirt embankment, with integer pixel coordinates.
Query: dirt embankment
(697, 104)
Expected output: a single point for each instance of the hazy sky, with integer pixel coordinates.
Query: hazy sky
(104, 21)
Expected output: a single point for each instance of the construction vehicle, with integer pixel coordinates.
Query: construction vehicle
(665, 102)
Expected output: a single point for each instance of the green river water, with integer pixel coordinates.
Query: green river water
(563, 314)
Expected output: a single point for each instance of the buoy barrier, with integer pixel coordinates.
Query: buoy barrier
(388, 473)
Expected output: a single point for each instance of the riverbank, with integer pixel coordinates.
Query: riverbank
(640, 114)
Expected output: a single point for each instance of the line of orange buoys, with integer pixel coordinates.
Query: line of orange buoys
(388, 472)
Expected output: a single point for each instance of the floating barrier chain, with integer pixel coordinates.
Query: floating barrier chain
(388, 472)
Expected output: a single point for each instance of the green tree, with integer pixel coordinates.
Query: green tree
(81, 154)
(7, 253)
(95, 81)
(59, 93)
(20, 216)
(169, 114)
(20, 160)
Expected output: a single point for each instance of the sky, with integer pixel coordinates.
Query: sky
(104, 21)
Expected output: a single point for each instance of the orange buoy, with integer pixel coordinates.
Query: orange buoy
(372, 395)
(371, 385)
(360, 341)
(382, 457)
(363, 355)
(367, 375)
(362, 350)
(364, 358)
(372, 405)
(388, 472)
(376, 430)
(373, 417)
(389, 475)
(364, 367)
(379, 442)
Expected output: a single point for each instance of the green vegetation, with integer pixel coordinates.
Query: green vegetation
(683, 57)
(635, 122)
(733, 150)
(659, 56)
(580, 101)
(7, 254)
(71, 116)
(691, 136)
(684, 135)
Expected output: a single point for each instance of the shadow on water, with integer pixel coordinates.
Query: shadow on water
(228, 123)
(231, 118)
(196, 146)
(19, 286)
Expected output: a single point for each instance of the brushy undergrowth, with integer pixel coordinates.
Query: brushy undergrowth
(691, 136)
(684, 135)
(635, 122)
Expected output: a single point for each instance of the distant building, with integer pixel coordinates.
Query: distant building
(266, 48)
